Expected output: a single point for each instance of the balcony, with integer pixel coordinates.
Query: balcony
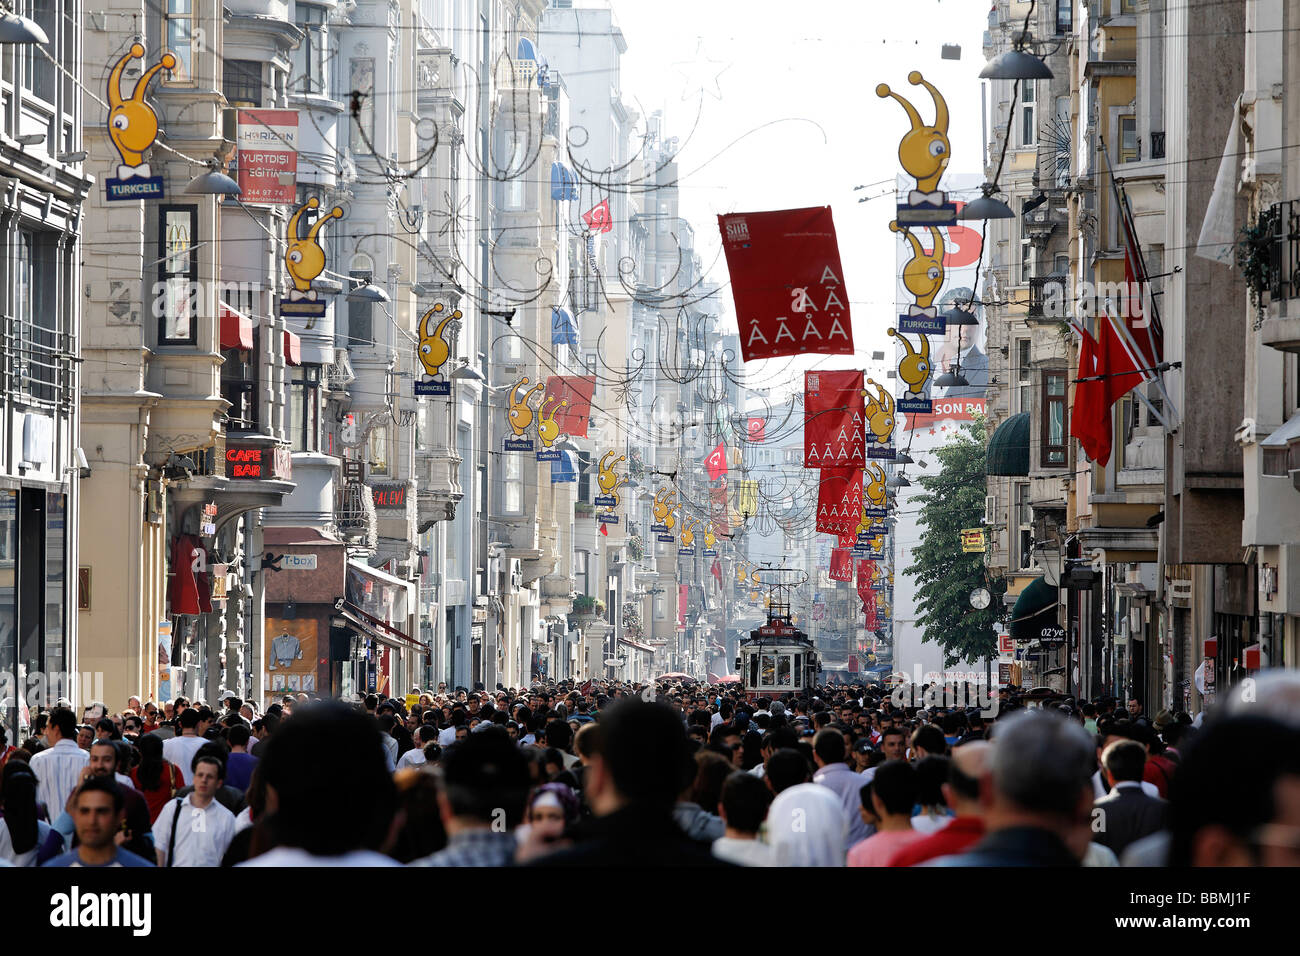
(1041, 289)
(438, 488)
(1273, 269)
(37, 365)
(354, 514)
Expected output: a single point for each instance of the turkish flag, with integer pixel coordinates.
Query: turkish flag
(757, 428)
(598, 218)
(1109, 372)
(787, 283)
(716, 571)
(834, 428)
(576, 391)
(841, 564)
(716, 463)
(839, 502)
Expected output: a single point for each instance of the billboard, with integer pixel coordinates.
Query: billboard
(267, 157)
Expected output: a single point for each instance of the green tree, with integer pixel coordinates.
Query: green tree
(954, 499)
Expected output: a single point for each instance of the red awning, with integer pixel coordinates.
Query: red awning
(236, 329)
(292, 349)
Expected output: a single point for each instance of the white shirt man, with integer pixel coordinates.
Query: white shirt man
(204, 828)
(181, 750)
(1099, 787)
(58, 769)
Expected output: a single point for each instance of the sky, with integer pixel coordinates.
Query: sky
(775, 106)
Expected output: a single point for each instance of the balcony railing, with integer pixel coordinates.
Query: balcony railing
(1283, 222)
(1039, 286)
(37, 364)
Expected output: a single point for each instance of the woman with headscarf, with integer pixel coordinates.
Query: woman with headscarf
(806, 826)
(22, 834)
(552, 808)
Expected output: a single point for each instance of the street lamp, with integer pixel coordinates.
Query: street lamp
(213, 182)
(366, 292)
(16, 29)
(986, 207)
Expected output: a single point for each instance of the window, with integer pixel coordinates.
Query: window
(309, 60)
(1028, 114)
(239, 385)
(38, 72)
(361, 74)
(178, 275)
(56, 512)
(304, 408)
(581, 560)
(1026, 260)
(1054, 419)
(377, 452)
(768, 675)
(1127, 6)
(241, 82)
(1129, 150)
(178, 37)
(1024, 519)
(360, 314)
(584, 476)
(783, 671)
(1024, 376)
(1064, 17)
(512, 477)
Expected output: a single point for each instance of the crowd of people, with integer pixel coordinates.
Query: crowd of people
(669, 774)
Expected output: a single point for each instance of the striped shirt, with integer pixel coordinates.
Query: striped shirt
(58, 771)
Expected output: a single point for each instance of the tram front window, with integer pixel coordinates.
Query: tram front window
(753, 670)
(769, 671)
(783, 671)
(798, 670)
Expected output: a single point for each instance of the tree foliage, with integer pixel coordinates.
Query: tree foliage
(952, 500)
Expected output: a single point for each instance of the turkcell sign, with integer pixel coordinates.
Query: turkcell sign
(605, 501)
(659, 529)
(118, 190)
(925, 214)
(607, 519)
(923, 405)
(512, 444)
(875, 512)
(548, 454)
(922, 324)
(436, 387)
(666, 538)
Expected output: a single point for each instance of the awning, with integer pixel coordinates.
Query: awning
(1034, 616)
(292, 349)
(379, 630)
(236, 329)
(1008, 451)
(637, 644)
(564, 185)
(564, 330)
(525, 49)
(563, 469)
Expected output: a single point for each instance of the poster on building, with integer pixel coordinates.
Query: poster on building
(291, 645)
(267, 157)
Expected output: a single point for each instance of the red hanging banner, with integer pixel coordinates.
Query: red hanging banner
(757, 428)
(834, 419)
(787, 283)
(841, 564)
(570, 401)
(839, 502)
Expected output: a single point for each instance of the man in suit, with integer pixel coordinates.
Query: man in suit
(1126, 814)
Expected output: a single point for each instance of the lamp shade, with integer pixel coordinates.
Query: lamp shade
(1015, 65)
(959, 316)
(213, 183)
(951, 380)
(467, 373)
(368, 293)
(986, 207)
(16, 29)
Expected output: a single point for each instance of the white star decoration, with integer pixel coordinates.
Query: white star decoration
(701, 74)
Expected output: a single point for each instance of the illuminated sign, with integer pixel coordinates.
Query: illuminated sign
(258, 462)
(389, 495)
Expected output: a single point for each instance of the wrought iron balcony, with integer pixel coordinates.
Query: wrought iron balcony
(1039, 289)
(1282, 228)
(37, 364)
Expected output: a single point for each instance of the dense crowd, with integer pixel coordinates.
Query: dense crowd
(667, 774)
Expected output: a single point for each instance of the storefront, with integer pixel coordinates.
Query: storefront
(372, 651)
(33, 606)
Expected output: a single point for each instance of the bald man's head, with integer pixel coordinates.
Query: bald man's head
(968, 765)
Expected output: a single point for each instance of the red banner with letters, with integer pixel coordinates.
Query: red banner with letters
(834, 427)
(841, 564)
(569, 397)
(839, 502)
(866, 571)
(787, 283)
